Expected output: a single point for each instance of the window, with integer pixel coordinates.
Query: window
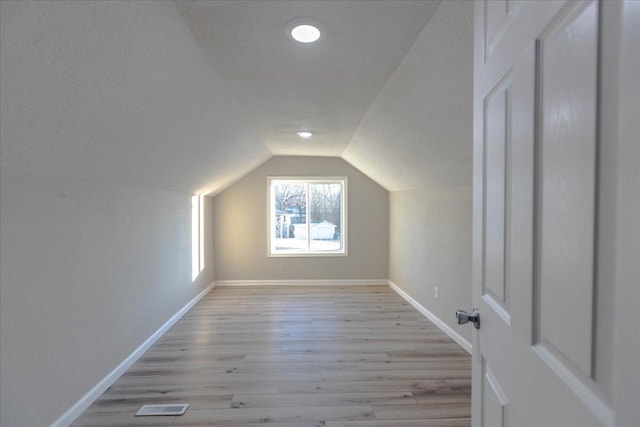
(307, 216)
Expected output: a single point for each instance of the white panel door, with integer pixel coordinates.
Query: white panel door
(541, 356)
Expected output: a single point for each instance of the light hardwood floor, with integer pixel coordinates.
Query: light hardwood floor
(297, 356)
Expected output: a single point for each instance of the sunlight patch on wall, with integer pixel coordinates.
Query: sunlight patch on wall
(197, 235)
(201, 230)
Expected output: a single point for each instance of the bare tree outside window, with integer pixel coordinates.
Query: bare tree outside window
(325, 200)
(291, 197)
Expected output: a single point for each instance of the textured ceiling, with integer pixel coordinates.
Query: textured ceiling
(285, 86)
(192, 95)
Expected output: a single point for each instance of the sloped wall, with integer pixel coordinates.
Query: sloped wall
(110, 116)
(240, 227)
(118, 91)
(416, 140)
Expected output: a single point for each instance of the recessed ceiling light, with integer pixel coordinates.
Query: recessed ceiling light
(304, 134)
(305, 33)
(305, 29)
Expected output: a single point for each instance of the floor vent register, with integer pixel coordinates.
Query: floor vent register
(167, 409)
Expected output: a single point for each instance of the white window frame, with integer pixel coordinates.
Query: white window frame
(271, 252)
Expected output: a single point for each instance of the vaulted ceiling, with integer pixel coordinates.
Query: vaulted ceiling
(285, 86)
(192, 95)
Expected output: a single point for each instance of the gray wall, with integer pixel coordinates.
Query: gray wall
(240, 227)
(416, 140)
(89, 272)
(430, 246)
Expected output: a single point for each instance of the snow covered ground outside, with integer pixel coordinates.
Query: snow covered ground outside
(318, 245)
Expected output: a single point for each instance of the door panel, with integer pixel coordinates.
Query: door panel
(497, 140)
(565, 184)
(495, 400)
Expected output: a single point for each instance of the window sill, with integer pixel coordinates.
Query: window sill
(307, 254)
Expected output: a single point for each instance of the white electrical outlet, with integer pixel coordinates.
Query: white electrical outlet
(436, 292)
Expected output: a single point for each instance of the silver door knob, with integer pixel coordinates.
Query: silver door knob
(464, 317)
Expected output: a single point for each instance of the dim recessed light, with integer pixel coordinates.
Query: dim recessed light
(305, 33)
(304, 134)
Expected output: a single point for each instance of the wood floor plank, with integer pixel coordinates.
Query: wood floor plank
(386, 375)
(333, 399)
(317, 358)
(435, 387)
(270, 424)
(118, 390)
(410, 365)
(426, 410)
(129, 405)
(205, 366)
(297, 356)
(317, 414)
(450, 422)
(120, 420)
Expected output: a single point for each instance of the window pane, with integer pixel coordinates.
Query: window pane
(325, 216)
(290, 216)
(307, 216)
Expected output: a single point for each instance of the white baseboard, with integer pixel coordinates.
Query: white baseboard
(433, 318)
(81, 405)
(301, 282)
